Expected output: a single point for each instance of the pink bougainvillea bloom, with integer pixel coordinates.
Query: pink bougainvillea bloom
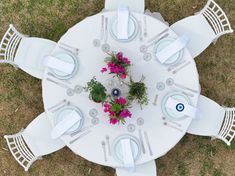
(121, 101)
(123, 76)
(113, 121)
(111, 113)
(126, 60)
(107, 107)
(119, 55)
(125, 113)
(110, 64)
(104, 70)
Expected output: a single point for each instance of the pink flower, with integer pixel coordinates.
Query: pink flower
(107, 107)
(110, 64)
(126, 60)
(119, 55)
(113, 121)
(104, 70)
(111, 113)
(121, 101)
(123, 76)
(125, 113)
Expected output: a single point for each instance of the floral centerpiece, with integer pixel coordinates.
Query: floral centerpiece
(117, 64)
(114, 104)
(117, 110)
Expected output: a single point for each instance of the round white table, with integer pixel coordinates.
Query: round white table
(91, 59)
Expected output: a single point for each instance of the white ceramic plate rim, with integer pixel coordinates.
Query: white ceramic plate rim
(130, 37)
(79, 126)
(76, 65)
(164, 101)
(123, 137)
(180, 53)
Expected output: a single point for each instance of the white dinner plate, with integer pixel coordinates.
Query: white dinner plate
(164, 43)
(117, 148)
(64, 112)
(132, 29)
(169, 113)
(66, 57)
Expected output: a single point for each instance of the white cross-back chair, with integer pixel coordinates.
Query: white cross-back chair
(216, 121)
(134, 5)
(204, 27)
(147, 169)
(25, 52)
(35, 141)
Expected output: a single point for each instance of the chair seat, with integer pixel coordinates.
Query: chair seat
(198, 30)
(212, 116)
(30, 55)
(38, 138)
(134, 5)
(148, 169)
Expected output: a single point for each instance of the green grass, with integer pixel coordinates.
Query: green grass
(21, 97)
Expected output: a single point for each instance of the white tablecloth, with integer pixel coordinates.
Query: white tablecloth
(91, 60)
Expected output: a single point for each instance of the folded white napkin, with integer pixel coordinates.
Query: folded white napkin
(172, 49)
(122, 22)
(188, 110)
(128, 159)
(65, 124)
(58, 64)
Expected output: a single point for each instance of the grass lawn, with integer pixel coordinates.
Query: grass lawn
(21, 98)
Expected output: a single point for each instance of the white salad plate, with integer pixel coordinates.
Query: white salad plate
(64, 112)
(69, 58)
(170, 113)
(132, 29)
(117, 147)
(164, 43)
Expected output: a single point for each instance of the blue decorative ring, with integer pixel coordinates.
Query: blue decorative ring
(180, 107)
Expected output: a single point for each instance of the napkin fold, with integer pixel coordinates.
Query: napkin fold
(58, 64)
(65, 124)
(128, 159)
(188, 110)
(172, 49)
(122, 22)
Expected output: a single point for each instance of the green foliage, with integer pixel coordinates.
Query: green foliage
(138, 91)
(97, 91)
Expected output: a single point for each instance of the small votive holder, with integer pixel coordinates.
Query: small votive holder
(140, 121)
(131, 128)
(160, 86)
(93, 112)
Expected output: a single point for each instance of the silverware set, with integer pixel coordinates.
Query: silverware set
(171, 121)
(103, 35)
(145, 27)
(70, 91)
(155, 100)
(170, 82)
(140, 31)
(107, 138)
(148, 143)
(57, 105)
(144, 48)
(104, 150)
(175, 66)
(80, 136)
(158, 35)
(141, 141)
(172, 126)
(68, 48)
(106, 144)
(52, 75)
(181, 67)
